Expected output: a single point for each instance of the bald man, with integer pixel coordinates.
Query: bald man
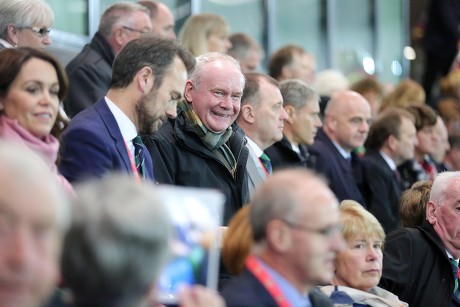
(346, 124)
(162, 18)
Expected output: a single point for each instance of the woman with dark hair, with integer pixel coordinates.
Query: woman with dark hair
(32, 83)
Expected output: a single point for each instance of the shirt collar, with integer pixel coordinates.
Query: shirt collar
(5, 43)
(345, 154)
(255, 148)
(127, 127)
(389, 161)
(289, 291)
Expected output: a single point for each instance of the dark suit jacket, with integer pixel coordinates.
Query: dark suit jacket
(92, 145)
(246, 291)
(385, 191)
(416, 267)
(345, 180)
(282, 155)
(442, 29)
(89, 75)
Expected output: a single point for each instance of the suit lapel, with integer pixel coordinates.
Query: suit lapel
(114, 131)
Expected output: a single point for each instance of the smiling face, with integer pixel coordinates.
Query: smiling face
(359, 266)
(216, 96)
(32, 98)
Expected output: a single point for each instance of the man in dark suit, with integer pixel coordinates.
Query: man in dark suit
(391, 141)
(302, 106)
(295, 222)
(346, 124)
(262, 119)
(441, 42)
(90, 71)
(420, 265)
(148, 78)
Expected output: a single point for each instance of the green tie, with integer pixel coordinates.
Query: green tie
(456, 294)
(139, 158)
(266, 162)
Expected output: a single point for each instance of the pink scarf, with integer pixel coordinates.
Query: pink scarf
(47, 147)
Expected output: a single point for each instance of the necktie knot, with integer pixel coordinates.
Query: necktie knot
(266, 162)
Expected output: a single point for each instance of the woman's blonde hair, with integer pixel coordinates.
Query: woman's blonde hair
(408, 92)
(357, 221)
(198, 28)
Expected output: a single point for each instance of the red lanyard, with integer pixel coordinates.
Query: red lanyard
(253, 265)
(133, 164)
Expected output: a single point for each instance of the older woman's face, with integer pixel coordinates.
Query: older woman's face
(32, 98)
(34, 37)
(360, 265)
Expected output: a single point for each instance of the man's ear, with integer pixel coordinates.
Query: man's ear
(290, 110)
(247, 113)
(119, 36)
(278, 236)
(145, 79)
(189, 87)
(431, 208)
(392, 142)
(12, 34)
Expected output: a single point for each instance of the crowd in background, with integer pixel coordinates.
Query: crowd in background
(337, 192)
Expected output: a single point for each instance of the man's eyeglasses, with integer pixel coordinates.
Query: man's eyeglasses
(41, 32)
(326, 232)
(136, 30)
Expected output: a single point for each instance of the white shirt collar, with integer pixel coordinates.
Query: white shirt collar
(6, 44)
(389, 161)
(127, 128)
(255, 148)
(345, 154)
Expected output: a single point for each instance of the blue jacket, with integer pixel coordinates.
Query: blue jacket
(92, 146)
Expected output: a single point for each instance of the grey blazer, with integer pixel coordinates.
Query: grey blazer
(255, 170)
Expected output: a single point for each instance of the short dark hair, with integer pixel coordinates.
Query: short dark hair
(388, 123)
(424, 116)
(148, 51)
(252, 87)
(283, 57)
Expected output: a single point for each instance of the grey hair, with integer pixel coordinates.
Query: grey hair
(120, 11)
(208, 58)
(278, 198)
(24, 13)
(118, 241)
(440, 186)
(28, 170)
(297, 93)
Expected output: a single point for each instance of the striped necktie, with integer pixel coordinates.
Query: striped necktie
(266, 162)
(456, 294)
(139, 157)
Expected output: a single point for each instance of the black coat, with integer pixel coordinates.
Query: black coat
(282, 155)
(346, 180)
(385, 191)
(416, 267)
(180, 158)
(247, 291)
(89, 75)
